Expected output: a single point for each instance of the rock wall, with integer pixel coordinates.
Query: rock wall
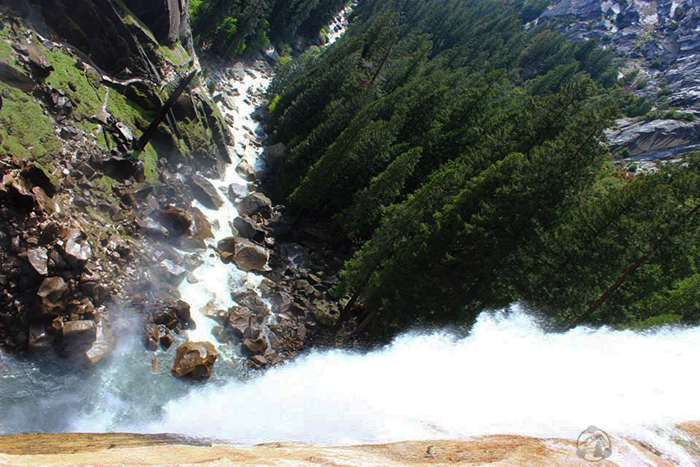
(166, 18)
(661, 39)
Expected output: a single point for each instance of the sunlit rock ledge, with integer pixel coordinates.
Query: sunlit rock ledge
(124, 449)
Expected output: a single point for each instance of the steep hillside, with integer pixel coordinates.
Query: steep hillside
(659, 44)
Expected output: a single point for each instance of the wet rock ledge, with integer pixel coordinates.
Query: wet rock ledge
(122, 449)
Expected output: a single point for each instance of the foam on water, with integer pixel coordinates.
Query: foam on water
(214, 279)
(508, 376)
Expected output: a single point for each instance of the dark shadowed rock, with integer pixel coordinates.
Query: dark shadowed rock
(206, 193)
(248, 229)
(15, 78)
(255, 203)
(281, 302)
(39, 338)
(165, 18)
(194, 360)
(176, 219)
(53, 296)
(274, 155)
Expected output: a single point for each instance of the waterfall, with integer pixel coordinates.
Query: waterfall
(507, 376)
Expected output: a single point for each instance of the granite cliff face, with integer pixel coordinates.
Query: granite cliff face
(659, 44)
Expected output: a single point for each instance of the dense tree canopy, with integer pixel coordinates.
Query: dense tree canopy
(230, 27)
(463, 157)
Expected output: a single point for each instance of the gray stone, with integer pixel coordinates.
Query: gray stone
(38, 258)
(206, 193)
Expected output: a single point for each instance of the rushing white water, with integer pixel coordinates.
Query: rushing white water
(215, 280)
(339, 25)
(508, 376)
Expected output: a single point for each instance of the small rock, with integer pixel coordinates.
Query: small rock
(246, 171)
(194, 360)
(77, 248)
(52, 295)
(254, 346)
(38, 258)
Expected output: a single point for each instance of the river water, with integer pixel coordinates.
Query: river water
(507, 376)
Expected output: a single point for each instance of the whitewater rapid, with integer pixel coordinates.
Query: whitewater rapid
(507, 376)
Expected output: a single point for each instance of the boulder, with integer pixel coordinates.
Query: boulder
(172, 273)
(176, 219)
(152, 228)
(250, 300)
(248, 229)
(226, 249)
(246, 171)
(201, 227)
(206, 193)
(99, 349)
(242, 323)
(77, 249)
(53, 296)
(237, 191)
(38, 258)
(36, 58)
(78, 336)
(15, 78)
(194, 360)
(254, 346)
(249, 256)
(274, 155)
(255, 203)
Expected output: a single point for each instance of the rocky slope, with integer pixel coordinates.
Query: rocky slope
(502, 450)
(658, 42)
(94, 225)
(87, 213)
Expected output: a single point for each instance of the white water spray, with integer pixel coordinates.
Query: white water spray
(508, 376)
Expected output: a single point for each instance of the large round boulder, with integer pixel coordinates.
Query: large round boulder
(249, 256)
(194, 360)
